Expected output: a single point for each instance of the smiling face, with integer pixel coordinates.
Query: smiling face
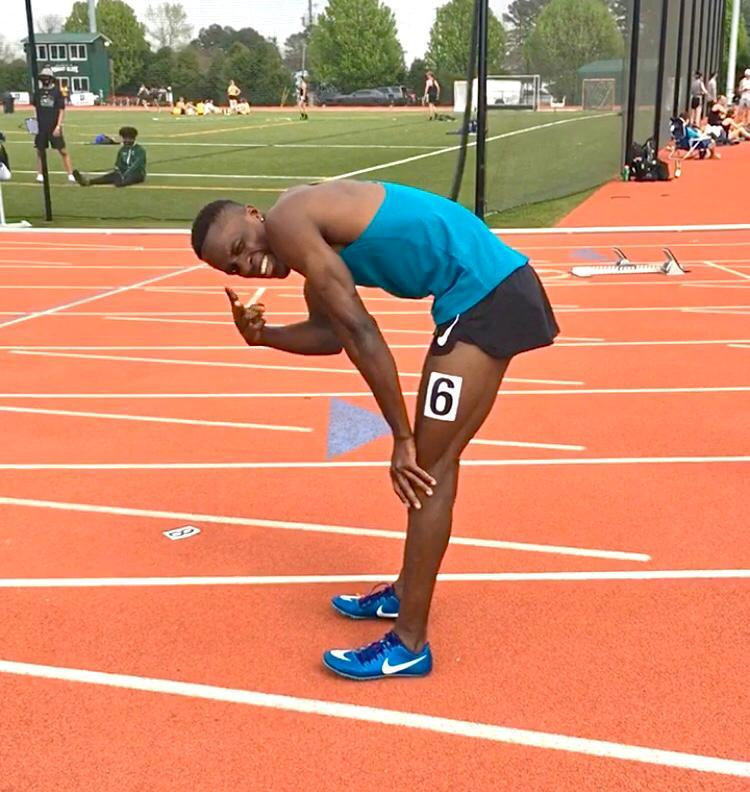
(236, 243)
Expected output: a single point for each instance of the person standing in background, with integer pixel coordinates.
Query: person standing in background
(712, 90)
(431, 93)
(50, 109)
(233, 94)
(743, 108)
(697, 92)
(302, 97)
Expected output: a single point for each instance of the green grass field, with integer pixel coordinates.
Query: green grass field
(538, 164)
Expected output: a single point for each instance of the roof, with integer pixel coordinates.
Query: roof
(66, 38)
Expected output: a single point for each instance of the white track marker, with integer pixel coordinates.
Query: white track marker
(156, 419)
(411, 720)
(261, 366)
(448, 149)
(368, 394)
(345, 530)
(307, 580)
(370, 464)
(109, 293)
(739, 274)
(519, 444)
(554, 231)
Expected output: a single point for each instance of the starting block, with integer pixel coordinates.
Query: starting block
(623, 266)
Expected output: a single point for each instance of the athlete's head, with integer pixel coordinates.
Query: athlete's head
(232, 238)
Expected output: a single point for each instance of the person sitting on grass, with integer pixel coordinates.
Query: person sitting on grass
(243, 107)
(130, 166)
(180, 106)
(210, 108)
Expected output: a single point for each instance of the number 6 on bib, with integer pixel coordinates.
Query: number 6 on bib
(442, 396)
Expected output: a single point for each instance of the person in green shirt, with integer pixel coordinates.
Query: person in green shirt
(130, 166)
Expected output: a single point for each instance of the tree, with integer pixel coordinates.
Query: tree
(187, 76)
(520, 17)
(415, 76)
(160, 68)
(51, 23)
(168, 25)
(117, 21)
(450, 43)
(14, 75)
(621, 12)
(354, 44)
(568, 34)
(295, 47)
(258, 71)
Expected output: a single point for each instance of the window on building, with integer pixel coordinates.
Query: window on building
(58, 52)
(80, 84)
(77, 52)
(41, 52)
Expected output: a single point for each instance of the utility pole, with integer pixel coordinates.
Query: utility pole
(732, 60)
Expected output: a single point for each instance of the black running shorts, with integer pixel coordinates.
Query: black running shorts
(514, 317)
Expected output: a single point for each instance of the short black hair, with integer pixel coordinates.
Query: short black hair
(205, 219)
(128, 132)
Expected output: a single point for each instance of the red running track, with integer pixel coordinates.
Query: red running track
(608, 653)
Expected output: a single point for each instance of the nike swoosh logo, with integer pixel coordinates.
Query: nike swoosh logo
(384, 614)
(442, 339)
(342, 654)
(394, 669)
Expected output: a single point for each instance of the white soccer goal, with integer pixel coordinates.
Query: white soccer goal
(504, 92)
(598, 93)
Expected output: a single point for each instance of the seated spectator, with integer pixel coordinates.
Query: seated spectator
(190, 109)
(180, 106)
(692, 139)
(243, 107)
(200, 108)
(210, 108)
(130, 166)
(717, 114)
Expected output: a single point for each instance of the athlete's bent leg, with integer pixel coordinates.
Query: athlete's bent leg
(446, 421)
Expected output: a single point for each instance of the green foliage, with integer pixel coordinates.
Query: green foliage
(520, 17)
(450, 42)
(743, 49)
(415, 76)
(14, 76)
(294, 50)
(160, 68)
(259, 71)
(569, 34)
(187, 76)
(117, 21)
(354, 45)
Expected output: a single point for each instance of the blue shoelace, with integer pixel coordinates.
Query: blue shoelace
(377, 648)
(374, 596)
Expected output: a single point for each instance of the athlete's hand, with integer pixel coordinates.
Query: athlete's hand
(249, 320)
(407, 476)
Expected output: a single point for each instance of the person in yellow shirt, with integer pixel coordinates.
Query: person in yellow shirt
(180, 107)
(233, 95)
(200, 108)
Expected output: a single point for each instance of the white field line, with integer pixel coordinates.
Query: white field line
(560, 230)
(306, 580)
(60, 266)
(739, 346)
(739, 274)
(172, 347)
(108, 293)
(267, 177)
(410, 720)
(372, 464)
(344, 530)
(368, 394)
(691, 342)
(448, 149)
(155, 419)
(261, 366)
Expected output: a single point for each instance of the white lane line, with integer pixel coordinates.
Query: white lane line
(156, 419)
(244, 349)
(519, 444)
(109, 293)
(556, 230)
(320, 528)
(339, 465)
(739, 346)
(731, 271)
(692, 342)
(411, 720)
(647, 308)
(306, 580)
(221, 176)
(262, 366)
(448, 149)
(368, 394)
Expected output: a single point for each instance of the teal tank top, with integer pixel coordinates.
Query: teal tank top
(420, 244)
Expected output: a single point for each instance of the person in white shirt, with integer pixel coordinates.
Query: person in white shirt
(743, 109)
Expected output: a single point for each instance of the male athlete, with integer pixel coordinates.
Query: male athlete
(488, 306)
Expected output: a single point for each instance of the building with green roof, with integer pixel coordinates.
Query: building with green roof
(80, 61)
